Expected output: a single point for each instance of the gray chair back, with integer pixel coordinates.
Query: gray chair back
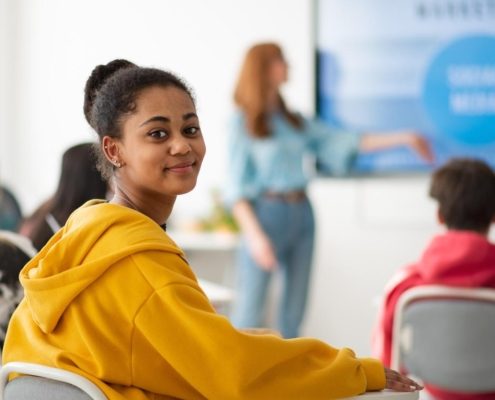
(448, 342)
(37, 388)
(42, 382)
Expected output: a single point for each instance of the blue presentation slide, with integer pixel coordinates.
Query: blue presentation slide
(429, 66)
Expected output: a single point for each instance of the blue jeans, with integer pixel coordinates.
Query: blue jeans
(290, 227)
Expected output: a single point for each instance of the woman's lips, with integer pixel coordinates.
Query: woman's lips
(181, 168)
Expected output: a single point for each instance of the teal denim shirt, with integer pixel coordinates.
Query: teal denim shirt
(276, 163)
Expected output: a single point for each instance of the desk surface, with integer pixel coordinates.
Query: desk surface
(386, 395)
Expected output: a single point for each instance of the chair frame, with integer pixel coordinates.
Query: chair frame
(56, 374)
(95, 392)
(429, 292)
(386, 394)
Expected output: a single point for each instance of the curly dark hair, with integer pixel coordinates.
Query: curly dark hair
(110, 95)
(96, 80)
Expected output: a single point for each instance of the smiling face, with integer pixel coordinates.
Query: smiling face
(162, 146)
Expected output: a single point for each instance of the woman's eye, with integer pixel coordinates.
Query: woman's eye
(192, 130)
(159, 134)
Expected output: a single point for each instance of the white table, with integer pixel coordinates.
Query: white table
(386, 395)
(219, 295)
(209, 241)
(211, 255)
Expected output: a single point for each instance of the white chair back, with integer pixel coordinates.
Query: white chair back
(49, 378)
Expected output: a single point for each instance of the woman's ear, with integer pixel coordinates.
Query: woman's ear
(111, 150)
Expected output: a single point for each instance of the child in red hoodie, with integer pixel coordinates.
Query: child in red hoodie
(462, 256)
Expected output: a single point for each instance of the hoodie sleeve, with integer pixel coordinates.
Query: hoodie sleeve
(181, 347)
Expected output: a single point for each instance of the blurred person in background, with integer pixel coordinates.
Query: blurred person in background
(462, 256)
(267, 186)
(79, 182)
(10, 211)
(15, 251)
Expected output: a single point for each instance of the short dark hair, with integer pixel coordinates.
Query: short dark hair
(465, 191)
(110, 94)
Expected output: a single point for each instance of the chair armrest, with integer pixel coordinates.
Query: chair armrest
(386, 395)
(56, 374)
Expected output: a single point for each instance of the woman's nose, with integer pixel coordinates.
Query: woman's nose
(179, 145)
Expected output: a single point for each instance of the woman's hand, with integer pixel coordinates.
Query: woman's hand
(260, 246)
(262, 251)
(412, 139)
(420, 145)
(401, 383)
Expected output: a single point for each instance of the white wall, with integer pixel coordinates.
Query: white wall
(7, 89)
(52, 46)
(367, 228)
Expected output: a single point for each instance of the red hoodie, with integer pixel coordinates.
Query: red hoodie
(456, 258)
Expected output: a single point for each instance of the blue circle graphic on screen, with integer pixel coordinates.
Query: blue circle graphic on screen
(459, 90)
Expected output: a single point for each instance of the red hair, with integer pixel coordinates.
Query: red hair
(252, 90)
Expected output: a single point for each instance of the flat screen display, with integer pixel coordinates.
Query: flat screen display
(425, 65)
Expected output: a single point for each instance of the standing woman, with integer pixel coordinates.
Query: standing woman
(112, 297)
(267, 186)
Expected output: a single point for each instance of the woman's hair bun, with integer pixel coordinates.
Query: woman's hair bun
(98, 77)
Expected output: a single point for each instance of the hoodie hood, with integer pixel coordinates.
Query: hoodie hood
(461, 258)
(455, 258)
(77, 255)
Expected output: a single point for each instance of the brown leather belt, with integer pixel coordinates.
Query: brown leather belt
(295, 196)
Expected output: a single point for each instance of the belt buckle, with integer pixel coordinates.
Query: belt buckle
(294, 197)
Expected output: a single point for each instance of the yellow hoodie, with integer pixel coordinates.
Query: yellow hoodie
(112, 297)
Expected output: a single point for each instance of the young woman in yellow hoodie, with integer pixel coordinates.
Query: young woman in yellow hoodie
(112, 297)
